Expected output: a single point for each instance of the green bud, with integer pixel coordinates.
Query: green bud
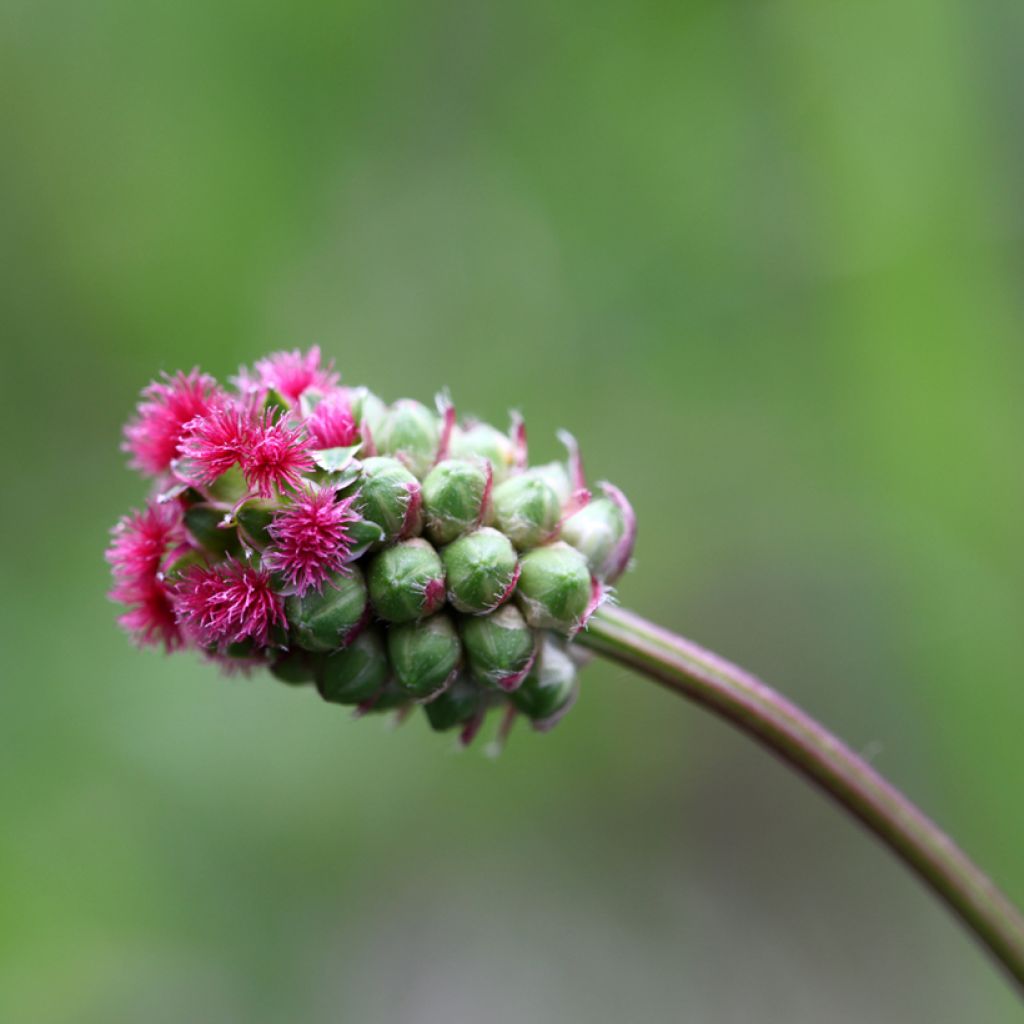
(327, 620)
(356, 673)
(367, 409)
(597, 531)
(411, 430)
(203, 523)
(481, 570)
(389, 495)
(254, 517)
(455, 494)
(483, 441)
(406, 581)
(424, 654)
(555, 590)
(363, 535)
(526, 509)
(294, 667)
(550, 687)
(456, 705)
(556, 475)
(499, 647)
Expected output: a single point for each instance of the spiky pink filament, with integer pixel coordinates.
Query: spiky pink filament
(311, 538)
(332, 424)
(292, 373)
(227, 603)
(213, 443)
(143, 542)
(167, 406)
(278, 456)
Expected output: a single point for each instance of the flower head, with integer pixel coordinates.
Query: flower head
(150, 617)
(311, 538)
(291, 373)
(277, 456)
(213, 443)
(227, 603)
(332, 424)
(152, 437)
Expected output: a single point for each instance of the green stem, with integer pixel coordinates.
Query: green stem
(792, 735)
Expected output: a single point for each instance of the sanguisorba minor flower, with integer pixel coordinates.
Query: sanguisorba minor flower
(382, 552)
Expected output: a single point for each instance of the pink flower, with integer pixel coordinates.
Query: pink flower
(332, 424)
(227, 603)
(291, 373)
(144, 542)
(311, 538)
(152, 437)
(278, 456)
(213, 443)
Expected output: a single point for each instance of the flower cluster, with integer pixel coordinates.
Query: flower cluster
(389, 554)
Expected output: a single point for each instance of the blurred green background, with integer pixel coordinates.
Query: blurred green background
(763, 258)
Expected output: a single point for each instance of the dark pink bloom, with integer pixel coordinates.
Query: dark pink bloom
(332, 424)
(291, 373)
(311, 539)
(143, 544)
(213, 443)
(167, 406)
(277, 456)
(227, 603)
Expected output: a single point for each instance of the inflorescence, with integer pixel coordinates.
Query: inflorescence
(388, 554)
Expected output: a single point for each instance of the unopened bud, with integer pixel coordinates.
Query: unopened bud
(527, 509)
(203, 523)
(367, 409)
(406, 581)
(294, 667)
(456, 705)
(326, 620)
(555, 590)
(481, 440)
(550, 686)
(424, 654)
(356, 673)
(411, 432)
(481, 570)
(456, 494)
(389, 495)
(499, 647)
(597, 531)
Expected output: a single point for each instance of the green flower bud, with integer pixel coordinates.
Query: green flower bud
(424, 655)
(355, 673)
(556, 476)
(253, 518)
(203, 523)
(456, 494)
(555, 590)
(389, 495)
(480, 440)
(499, 647)
(330, 619)
(596, 531)
(550, 688)
(367, 409)
(294, 667)
(455, 706)
(389, 697)
(526, 509)
(409, 430)
(481, 570)
(406, 581)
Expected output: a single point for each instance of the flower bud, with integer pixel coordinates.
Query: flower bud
(526, 509)
(204, 524)
(424, 654)
(367, 409)
(254, 519)
(597, 532)
(480, 440)
(389, 496)
(456, 494)
(556, 476)
(550, 687)
(481, 570)
(499, 647)
(456, 705)
(410, 431)
(555, 590)
(332, 618)
(355, 673)
(406, 581)
(294, 667)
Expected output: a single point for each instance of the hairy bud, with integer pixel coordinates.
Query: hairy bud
(410, 432)
(389, 496)
(355, 673)
(424, 655)
(481, 570)
(550, 687)
(527, 509)
(555, 590)
(480, 440)
(499, 647)
(406, 581)
(326, 620)
(456, 496)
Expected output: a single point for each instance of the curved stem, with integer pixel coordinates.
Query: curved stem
(794, 736)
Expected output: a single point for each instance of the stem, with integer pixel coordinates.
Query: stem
(794, 736)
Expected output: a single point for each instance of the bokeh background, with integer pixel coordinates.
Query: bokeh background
(763, 258)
